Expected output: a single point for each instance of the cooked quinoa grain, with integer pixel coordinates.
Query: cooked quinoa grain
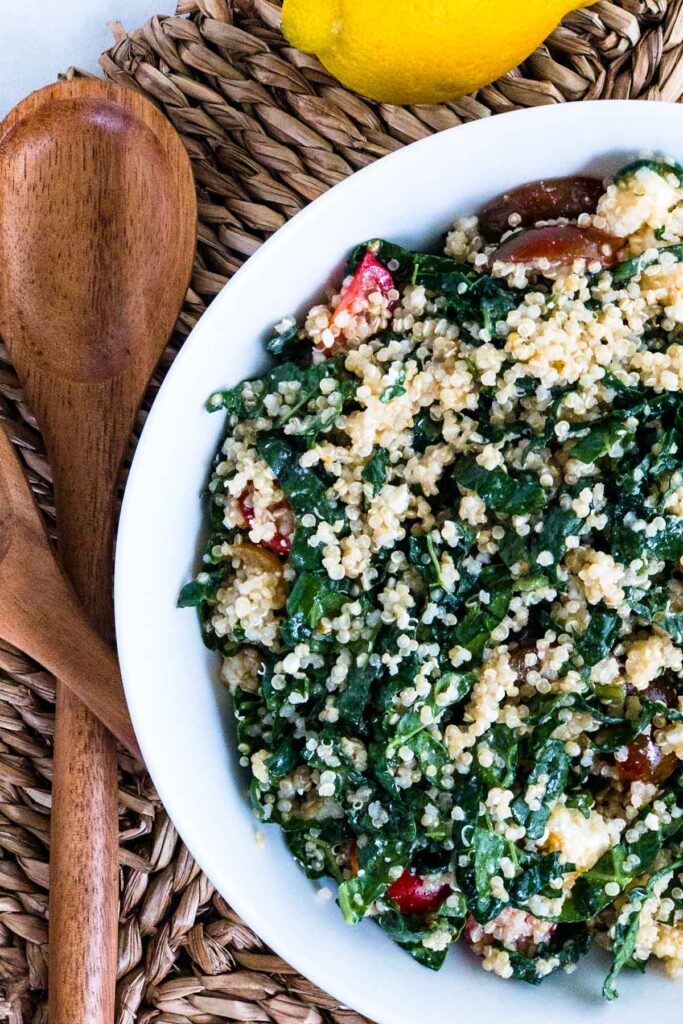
(445, 576)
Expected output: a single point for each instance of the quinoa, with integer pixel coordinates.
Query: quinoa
(445, 577)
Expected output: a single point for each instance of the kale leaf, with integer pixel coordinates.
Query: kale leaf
(402, 261)
(305, 491)
(565, 947)
(600, 438)
(375, 469)
(599, 637)
(550, 772)
(627, 926)
(662, 167)
(311, 599)
(376, 858)
(194, 593)
(535, 879)
(501, 492)
(623, 272)
(247, 400)
(655, 608)
(483, 615)
(285, 341)
(619, 865)
(629, 543)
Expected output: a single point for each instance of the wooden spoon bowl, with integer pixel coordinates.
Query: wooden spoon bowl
(94, 238)
(97, 235)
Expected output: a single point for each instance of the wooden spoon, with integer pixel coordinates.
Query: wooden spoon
(97, 235)
(41, 615)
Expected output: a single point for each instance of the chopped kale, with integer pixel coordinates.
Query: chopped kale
(502, 492)
(619, 866)
(662, 167)
(441, 708)
(305, 491)
(627, 926)
(375, 469)
(623, 272)
(548, 778)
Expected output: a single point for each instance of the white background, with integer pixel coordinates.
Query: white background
(40, 38)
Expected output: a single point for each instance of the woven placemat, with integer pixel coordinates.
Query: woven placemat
(267, 130)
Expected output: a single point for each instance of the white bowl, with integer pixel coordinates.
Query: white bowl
(181, 715)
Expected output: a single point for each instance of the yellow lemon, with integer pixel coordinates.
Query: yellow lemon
(420, 51)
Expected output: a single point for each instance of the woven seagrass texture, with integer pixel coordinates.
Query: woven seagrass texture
(267, 130)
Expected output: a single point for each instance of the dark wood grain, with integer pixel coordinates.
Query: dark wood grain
(97, 231)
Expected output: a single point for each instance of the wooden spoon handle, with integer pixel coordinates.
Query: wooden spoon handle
(83, 868)
(84, 840)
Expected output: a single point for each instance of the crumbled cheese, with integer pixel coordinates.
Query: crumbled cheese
(581, 841)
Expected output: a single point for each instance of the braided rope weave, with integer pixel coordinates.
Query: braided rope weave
(267, 130)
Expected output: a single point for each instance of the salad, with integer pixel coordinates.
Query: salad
(444, 572)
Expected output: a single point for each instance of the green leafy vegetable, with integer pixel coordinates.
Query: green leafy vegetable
(500, 491)
(194, 593)
(375, 469)
(483, 615)
(395, 258)
(394, 390)
(284, 341)
(537, 878)
(410, 931)
(356, 694)
(311, 598)
(503, 743)
(305, 491)
(627, 926)
(566, 947)
(623, 272)
(376, 858)
(599, 638)
(468, 296)
(655, 607)
(619, 866)
(549, 774)
(663, 167)
(600, 439)
(630, 541)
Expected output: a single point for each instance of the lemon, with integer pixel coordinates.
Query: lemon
(420, 51)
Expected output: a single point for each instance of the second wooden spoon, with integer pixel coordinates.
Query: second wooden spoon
(97, 234)
(39, 612)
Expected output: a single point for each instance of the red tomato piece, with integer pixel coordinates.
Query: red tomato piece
(540, 200)
(414, 895)
(560, 245)
(369, 276)
(278, 543)
(246, 509)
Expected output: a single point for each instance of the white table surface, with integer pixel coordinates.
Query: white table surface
(40, 38)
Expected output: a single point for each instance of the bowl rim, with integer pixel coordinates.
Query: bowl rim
(572, 113)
